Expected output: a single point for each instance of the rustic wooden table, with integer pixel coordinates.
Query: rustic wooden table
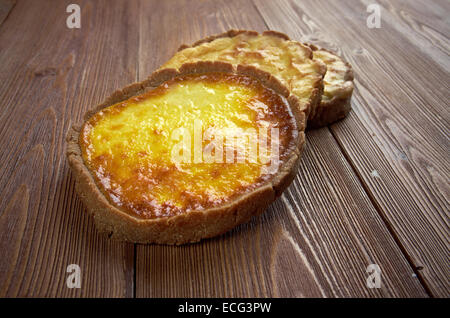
(372, 189)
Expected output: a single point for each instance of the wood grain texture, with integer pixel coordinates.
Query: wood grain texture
(315, 241)
(5, 7)
(400, 123)
(166, 25)
(49, 75)
(308, 244)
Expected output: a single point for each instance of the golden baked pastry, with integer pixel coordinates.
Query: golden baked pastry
(289, 61)
(338, 89)
(143, 183)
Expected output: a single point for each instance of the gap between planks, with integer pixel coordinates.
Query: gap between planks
(6, 6)
(380, 213)
(266, 27)
(369, 193)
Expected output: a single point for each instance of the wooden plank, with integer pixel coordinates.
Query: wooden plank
(308, 244)
(397, 135)
(5, 7)
(316, 240)
(164, 27)
(50, 75)
(427, 29)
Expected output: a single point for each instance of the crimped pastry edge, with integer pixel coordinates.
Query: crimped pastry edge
(195, 225)
(322, 113)
(317, 89)
(337, 108)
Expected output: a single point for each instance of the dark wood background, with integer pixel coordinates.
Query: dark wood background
(373, 188)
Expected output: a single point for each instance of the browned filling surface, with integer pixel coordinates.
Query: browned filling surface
(195, 142)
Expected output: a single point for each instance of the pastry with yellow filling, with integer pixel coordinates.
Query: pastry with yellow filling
(289, 61)
(338, 89)
(187, 154)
